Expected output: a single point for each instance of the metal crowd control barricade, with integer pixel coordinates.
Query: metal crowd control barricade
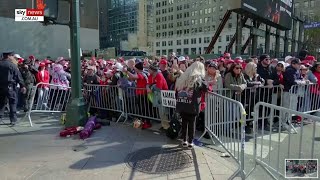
(252, 95)
(304, 98)
(48, 98)
(104, 97)
(137, 103)
(225, 121)
(294, 146)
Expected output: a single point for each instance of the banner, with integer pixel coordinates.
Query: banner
(277, 12)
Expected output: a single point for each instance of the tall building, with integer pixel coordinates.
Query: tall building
(309, 9)
(129, 25)
(33, 38)
(187, 26)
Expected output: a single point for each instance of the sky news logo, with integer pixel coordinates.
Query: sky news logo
(29, 15)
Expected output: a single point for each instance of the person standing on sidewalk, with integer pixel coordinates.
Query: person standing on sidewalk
(29, 80)
(156, 83)
(10, 76)
(292, 76)
(190, 87)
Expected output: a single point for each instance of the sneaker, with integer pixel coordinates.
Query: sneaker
(185, 144)
(190, 145)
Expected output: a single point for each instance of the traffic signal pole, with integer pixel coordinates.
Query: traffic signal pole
(76, 109)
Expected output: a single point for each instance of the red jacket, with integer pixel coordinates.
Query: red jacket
(44, 79)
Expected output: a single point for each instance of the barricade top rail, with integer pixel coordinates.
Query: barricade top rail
(297, 113)
(229, 99)
(55, 85)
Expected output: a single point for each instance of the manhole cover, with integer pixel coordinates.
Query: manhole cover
(159, 160)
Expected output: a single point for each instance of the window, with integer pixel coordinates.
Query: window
(206, 39)
(227, 38)
(206, 11)
(200, 21)
(312, 3)
(311, 16)
(200, 40)
(164, 34)
(170, 43)
(170, 51)
(200, 12)
(221, 8)
(219, 50)
(178, 51)
(158, 52)
(209, 10)
(219, 38)
(194, 41)
(157, 44)
(178, 42)
(164, 52)
(186, 51)
(164, 43)
(206, 20)
(170, 33)
(306, 4)
(186, 41)
(193, 50)
(230, 25)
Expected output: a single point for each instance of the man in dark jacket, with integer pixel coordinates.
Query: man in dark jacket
(290, 99)
(29, 80)
(10, 77)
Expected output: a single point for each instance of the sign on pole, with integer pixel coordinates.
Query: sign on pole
(69, 51)
(312, 25)
(168, 99)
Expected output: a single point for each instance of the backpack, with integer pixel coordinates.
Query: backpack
(175, 127)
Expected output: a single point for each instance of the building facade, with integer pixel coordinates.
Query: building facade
(33, 38)
(129, 25)
(186, 26)
(309, 9)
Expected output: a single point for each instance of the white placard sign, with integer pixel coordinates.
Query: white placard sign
(168, 99)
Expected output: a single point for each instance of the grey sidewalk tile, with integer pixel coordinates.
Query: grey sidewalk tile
(136, 175)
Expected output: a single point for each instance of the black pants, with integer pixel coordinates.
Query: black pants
(11, 94)
(188, 124)
(27, 98)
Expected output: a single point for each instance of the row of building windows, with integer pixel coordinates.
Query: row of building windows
(186, 6)
(186, 51)
(192, 41)
(186, 31)
(193, 13)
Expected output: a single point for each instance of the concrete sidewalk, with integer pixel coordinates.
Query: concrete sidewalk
(39, 153)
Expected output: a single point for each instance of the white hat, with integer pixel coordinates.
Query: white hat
(287, 58)
(283, 63)
(118, 67)
(181, 58)
(17, 56)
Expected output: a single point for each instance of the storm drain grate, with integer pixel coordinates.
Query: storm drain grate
(159, 160)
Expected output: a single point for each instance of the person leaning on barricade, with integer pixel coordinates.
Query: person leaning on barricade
(234, 80)
(292, 76)
(156, 83)
(190, 87)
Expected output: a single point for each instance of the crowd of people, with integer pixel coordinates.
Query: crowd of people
(302, 168)
(166, 73)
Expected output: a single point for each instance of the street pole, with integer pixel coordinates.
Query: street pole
(76, 109)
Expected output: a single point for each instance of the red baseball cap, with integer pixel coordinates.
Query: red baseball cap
(163, 61)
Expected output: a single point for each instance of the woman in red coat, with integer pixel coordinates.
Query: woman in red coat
(42, 77)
